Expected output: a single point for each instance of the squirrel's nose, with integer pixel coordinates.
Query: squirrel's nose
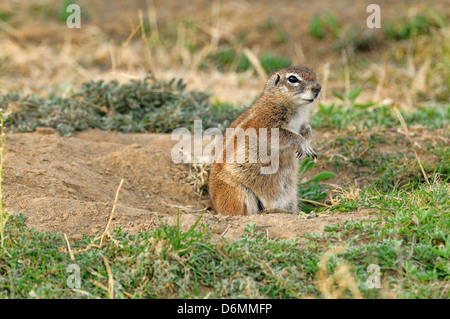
(317, 88)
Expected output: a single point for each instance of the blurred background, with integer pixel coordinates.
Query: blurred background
(229, 47)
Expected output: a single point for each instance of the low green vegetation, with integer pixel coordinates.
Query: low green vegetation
(228, 58)
(63, 15)
(407, 236)
(271, 62)
(407, 27)
(311, 191)
(369, 143)
(321, 25)
(407, 239)
(381, 115)
(4, 15)
(138, 106)
(150, 106)
(346, 112)
(56, 10)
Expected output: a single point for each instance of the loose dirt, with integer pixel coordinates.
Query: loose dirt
(68, 185)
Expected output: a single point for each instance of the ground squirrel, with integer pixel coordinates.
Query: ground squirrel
(285, 104)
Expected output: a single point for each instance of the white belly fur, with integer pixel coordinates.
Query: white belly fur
(300, 117)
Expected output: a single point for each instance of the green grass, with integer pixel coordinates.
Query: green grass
(225, 57)
(272, 62)
(347, 112)
(384, 159)
(408, 240)
(412, 231)
(56, 10)
(228, 58)
(63, 15)
(321, 26)
(280, 38)
(340, 116)
(5, 16)
(311, 189)
(407, 27)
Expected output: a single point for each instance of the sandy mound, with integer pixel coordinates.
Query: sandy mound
(68, 185)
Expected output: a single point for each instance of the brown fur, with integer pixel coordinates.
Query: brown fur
(240, 188)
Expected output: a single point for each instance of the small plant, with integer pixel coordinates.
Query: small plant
(147, 27)
(5, 16)
(63, 15)
(280, 38)
(227, 58)
(138, 106)
(243, 63)
(320, 27)
(350, 98)
(311, 191)
(406, 28)
(267, 25)
(179, 238)
(271, 62)
(224, 57)
(316, 29)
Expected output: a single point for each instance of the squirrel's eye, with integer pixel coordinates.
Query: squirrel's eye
(293, 79)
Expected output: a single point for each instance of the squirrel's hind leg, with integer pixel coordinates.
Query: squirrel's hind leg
(234, 200)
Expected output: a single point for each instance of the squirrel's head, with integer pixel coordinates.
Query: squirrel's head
(295, 85)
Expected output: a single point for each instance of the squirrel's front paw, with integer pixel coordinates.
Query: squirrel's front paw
(306, 149)
(310, 152)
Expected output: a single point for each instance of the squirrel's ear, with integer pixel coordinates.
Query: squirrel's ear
(277, 79)
(272, 82)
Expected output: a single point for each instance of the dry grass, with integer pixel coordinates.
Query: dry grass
(30, 65)
(351, 193)
(337, 284)
(105, 232)
(198, 177)
(405, 128)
